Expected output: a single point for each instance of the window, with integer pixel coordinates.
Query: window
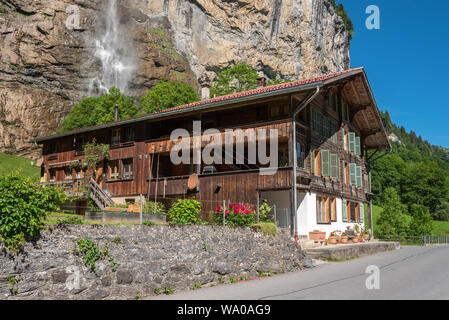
(346, 173)
(128, 169)
(326, 209)
(52, 175)
(316, 162)
(114, 170)
(333, 209)
(53, 148)
(115, 137)
(128, 135)
(316, 121)
(68, 173)
(351, 138)
(352, 211)
(80, 143)
(300, 149)
(322, 205)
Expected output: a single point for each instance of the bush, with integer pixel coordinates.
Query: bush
(267, 228)
(148, 207)
(184, 211)
(236, 215)
(264, 211)
(70, 220)
(23, 209)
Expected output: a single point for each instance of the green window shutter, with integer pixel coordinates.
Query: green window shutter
(351, 139)
(334, 166)
(347, 113)
(325, 165)
(359, 176)
(344, 140)
(362, 212)
(342, 108)
(357, 146)
(325, 126)
(329, 100)
(344, 172)
(352, 174)
(344, 211)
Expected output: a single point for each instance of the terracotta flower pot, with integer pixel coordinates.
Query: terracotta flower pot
(362, 240)
(355, 240)
(344, 239)
(332, 240)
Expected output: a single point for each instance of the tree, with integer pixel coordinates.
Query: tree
(237, 78)
(442, 212)
(421, 223)
(387, 172)
(98, 110)
(425, 183)
(394, 219)
(168, 94)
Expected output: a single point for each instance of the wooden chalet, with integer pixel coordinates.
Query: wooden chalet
(326, 126)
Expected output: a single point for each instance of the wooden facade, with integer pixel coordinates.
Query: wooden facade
(139, 161)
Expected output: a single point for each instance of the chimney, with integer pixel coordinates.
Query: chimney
(261, 82)
(205, 91)
(116, 113)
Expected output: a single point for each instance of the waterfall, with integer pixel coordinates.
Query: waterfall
(113, 50)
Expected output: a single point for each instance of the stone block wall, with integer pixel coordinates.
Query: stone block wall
(150, 259)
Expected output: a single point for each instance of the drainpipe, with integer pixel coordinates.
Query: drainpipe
(295, 159)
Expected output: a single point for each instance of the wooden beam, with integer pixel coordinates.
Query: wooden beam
(368, 133)
(357, 109)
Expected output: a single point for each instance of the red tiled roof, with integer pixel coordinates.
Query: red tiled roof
(228, 97)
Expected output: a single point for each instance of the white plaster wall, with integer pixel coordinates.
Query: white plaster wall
(307, 220)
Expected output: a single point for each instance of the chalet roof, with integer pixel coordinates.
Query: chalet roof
(254, 94)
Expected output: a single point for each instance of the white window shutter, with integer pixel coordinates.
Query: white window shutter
(359, 176)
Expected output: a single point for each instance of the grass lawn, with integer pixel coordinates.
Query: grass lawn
(9, 163)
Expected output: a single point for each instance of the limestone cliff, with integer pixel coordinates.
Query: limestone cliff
(45, 67)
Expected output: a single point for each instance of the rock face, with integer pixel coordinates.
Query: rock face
(46, 67)
(148, 259)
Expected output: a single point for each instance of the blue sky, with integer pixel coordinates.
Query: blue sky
(407, 62)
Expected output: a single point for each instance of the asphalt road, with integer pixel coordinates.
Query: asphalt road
(408, 273)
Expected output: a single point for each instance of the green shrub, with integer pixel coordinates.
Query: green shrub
(236, 215)
(148, 207)
(23, 209)
(267, 228)
(70, 220)
(184, 211)
(264, 211)
(120, 205)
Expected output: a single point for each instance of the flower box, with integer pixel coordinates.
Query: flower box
(317, 236)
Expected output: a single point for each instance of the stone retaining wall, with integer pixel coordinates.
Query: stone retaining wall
(150, 258)
(349, 251)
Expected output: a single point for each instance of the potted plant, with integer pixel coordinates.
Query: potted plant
(344, 237)
(317, 236)
(334, 237)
